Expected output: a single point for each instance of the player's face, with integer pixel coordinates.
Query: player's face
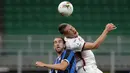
(59, 45)
(70, 31)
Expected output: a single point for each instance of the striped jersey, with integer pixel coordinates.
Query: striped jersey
(68, 56)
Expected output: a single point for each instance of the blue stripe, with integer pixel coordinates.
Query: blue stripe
(62, 56)
(70, 56)
(73, 69)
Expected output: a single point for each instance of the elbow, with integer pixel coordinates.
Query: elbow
(62, 68)
(63, 65)
(95, 46)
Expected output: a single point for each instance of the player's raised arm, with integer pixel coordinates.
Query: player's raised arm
(109, 27)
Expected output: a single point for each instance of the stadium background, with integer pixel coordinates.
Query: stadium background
(28, 27)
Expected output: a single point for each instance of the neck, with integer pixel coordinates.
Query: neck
(72, 36)
(59, 53)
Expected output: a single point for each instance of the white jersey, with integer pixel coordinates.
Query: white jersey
(76, 44)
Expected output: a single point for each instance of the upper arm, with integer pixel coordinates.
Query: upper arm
(68, 56)
(67, 59)
(89, 46)
(64, 64)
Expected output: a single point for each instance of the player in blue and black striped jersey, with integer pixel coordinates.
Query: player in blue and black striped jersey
(65, 62)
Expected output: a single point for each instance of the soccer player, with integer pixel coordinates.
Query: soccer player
(65, 62)
(85, 58)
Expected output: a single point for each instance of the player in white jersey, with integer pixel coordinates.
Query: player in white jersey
(85, 58)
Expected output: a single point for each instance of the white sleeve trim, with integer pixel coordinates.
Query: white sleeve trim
(66, 60)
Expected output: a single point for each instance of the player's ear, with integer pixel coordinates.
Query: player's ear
(65, 32)
(64, 46)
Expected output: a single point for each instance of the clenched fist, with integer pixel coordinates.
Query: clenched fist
(40, 64)
(110, 27)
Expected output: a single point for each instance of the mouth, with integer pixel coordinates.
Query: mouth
(58, 48)
(75, 32)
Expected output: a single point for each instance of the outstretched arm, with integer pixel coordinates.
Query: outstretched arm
(62, 66)
(96, 44)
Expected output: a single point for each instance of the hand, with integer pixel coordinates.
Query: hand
(110, 27)
(40, 64)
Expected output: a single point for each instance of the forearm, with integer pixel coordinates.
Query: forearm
(54, 66)
(88, 45)
(62, 66)
(100, 39)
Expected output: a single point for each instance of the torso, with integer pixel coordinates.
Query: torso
(76, 44)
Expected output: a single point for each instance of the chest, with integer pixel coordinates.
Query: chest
(58, 60)
(70, 42)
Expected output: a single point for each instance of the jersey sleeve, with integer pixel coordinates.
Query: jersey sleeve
(77, 44)
(69, 55)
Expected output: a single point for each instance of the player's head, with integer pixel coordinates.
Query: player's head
(59, 44)
(67, 30)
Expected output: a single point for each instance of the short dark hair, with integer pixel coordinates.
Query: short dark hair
(61, 27)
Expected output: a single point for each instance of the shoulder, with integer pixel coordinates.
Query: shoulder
(69, 51)
(80, 38)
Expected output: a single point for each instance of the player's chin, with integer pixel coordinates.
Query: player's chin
(58, 50)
